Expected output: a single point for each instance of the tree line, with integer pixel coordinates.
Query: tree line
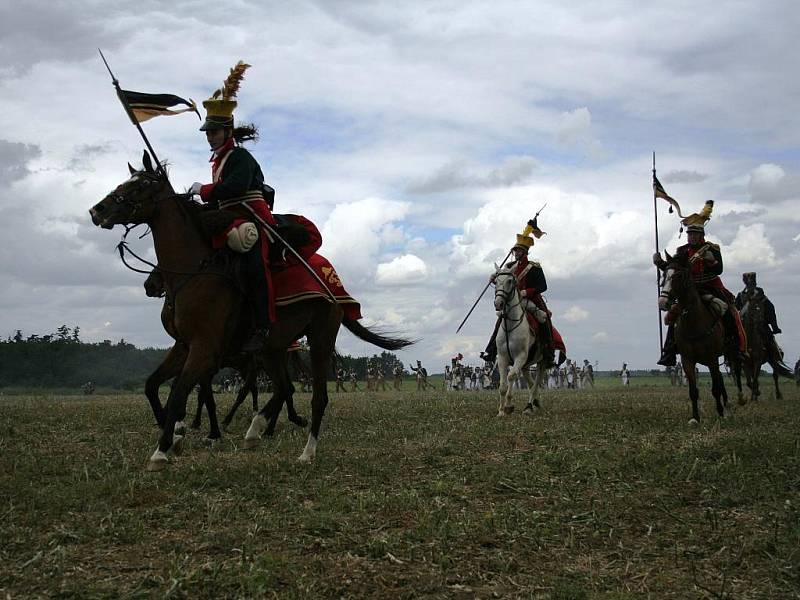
(63, 360)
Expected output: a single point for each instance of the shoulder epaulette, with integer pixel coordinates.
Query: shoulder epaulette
(535, 264)
(713, 245)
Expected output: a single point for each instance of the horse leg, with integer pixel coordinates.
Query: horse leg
(199, 365)
(298, 420)
(283, 389)
(778, 395)
(206, 396)
(263, 421)
(694, 393)
(198, 417)
(170, 367)
(505, 387)
(718, 389)
(533, 388)
(321, 335)
(240, 396)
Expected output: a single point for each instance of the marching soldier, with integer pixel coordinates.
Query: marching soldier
(532, 284)
(354, 380)
(705, 263)
(340, 375)
(398, 376)
(237, 185)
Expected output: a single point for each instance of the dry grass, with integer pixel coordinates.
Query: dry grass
(605, 494)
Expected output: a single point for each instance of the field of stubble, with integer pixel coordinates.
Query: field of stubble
(604, 494)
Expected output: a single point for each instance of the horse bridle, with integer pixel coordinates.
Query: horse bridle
(506, 296)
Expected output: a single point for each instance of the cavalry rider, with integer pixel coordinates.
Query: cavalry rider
(752, 292)
(705, 263)
(237, 186)
(531, 284)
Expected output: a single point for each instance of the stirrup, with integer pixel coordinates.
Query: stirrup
(668, 359)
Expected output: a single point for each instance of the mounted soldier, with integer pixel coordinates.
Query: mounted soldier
(753, 293)
(705, 264)
(237, 186)
(531, 284)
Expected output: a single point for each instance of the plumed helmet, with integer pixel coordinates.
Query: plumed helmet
(219, 107)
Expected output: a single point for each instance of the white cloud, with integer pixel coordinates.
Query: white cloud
(351, 235)
(404, 269)
(750, 249)
(575, 314)
(600, 336)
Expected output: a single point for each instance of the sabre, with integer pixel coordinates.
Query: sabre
(483, 291)
(294, 252)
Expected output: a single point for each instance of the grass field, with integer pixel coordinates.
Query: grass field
(605, 494)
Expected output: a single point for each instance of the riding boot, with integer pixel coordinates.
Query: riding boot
(669, 351)
(258, 296)
(548, 351)
(490, 353)
(731, 335)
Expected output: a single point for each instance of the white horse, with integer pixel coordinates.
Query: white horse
(516, 344)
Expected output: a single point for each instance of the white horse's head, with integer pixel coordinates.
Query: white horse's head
(666, 289)
(505, 288)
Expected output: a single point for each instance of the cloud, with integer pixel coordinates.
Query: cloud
(404, 269)
(575, 314)
(600, 336)
(682, 176)
(750, 249)
(351, 235)
(14, 160)
(459, 174)
(769, 183)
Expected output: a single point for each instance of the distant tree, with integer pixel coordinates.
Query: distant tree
(18, 336)
(76, 334)
(63, 333)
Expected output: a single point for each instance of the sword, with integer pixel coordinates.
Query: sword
(294, 252)
(490, 282)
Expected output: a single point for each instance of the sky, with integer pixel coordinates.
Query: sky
(420, 137)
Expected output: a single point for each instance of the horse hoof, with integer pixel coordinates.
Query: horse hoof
(177, 445)
(694, 422)
(158, 461)
(180, 428)
(304, 458)
(250, 443)
(155, 466)
(210, 442)
(509, 409)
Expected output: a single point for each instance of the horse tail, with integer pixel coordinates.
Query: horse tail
(782, 370)
(375, 338)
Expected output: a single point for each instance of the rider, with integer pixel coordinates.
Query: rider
(531, 284)
(236, 186)
(752, 292)
(705, 263)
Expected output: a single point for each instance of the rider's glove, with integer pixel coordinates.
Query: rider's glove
(195, 189)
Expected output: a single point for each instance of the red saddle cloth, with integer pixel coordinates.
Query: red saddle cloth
(293, 283)
(558, 341)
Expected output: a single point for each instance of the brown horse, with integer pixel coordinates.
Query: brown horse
(699, 335)
(248, 365)
(210, 317)
(760, 349)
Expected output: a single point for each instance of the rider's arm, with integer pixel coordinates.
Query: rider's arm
(535, 282)
(713, 261)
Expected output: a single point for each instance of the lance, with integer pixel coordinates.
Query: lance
(658, 273)
(132, 117)
(486, 287)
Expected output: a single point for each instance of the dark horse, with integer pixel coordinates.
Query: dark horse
(760, 348)
(248, 366)
(699, 335)
(210, 316)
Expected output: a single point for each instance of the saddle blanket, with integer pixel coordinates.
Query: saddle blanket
(293, 283)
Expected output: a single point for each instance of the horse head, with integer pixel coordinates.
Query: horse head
(677, 281)
(505, 287)
(133, 201)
